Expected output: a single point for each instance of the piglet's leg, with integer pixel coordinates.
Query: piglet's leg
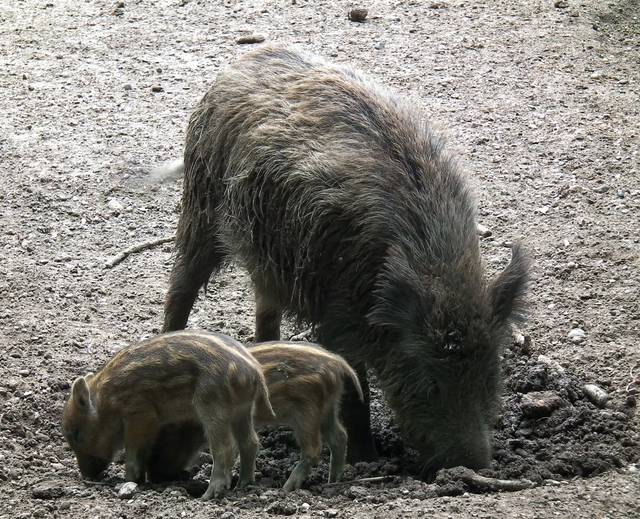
(140, 432)
(247, 441)
(336, 437)
(307, 433)
(218, 432)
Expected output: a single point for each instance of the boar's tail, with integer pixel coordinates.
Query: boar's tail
(349, 372)
(168, 171)
(263, 398)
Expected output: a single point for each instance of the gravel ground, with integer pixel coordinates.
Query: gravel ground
(541, 100)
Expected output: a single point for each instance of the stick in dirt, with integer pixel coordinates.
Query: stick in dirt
(377, 479)
(136, 248)
(492, 484)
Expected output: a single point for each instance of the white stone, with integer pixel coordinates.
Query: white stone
(127, 490)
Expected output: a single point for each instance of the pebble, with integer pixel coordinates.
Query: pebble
(157, 88)
(358, 15)
(304, 507)
(601, 189)
(577, 335)
(281, 508)
(227, 515)
(596, 394)
(251, 38)
(561, 4)
(357, 492)
(484, 231)
(553, 365)
(330, 512)
(127, 490)
(128, 86)
(540, 403)
(115, 205)
(48, 490)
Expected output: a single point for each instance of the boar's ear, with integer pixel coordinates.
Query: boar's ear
(80, 394)
(507, 291)
(398, 304)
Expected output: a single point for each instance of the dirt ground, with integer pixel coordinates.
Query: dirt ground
(540, 99)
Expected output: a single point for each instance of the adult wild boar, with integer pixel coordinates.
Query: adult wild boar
(342, 204)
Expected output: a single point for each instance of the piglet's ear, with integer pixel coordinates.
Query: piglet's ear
(507, 291)
(398, 305)
(80, 394)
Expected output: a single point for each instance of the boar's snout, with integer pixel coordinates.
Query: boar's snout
(91, 466)
(473, 452)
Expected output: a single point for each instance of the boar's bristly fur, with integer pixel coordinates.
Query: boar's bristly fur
(345, 208)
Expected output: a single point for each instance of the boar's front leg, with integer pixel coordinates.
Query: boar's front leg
(268, 311)
(357, 419)
(140, 432)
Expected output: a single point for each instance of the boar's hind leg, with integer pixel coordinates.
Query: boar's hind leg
(356, 417)
(336, 437)
(307, 434)
(247, 442)
(268, 311)
(190, 271)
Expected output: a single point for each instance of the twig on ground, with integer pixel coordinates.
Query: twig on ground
(136, 248)
(484, 483)
(377, 479)
(96, 483)
(302, 336)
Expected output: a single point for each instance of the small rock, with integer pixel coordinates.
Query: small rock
(330, 512)
(543, 209)
(357, 492)
(128, 86)
(380, 45)
(438, 5)
(119, 5)
(251, 38)
(596, 75)
(304, 508)
(281, 508)
(601, 189)
(561, 4)
(228, 515)
(127, 490)
(157, 88)
(358, 15)
(115, 205)
(553, 365)
(540, 403)
(48, 490)
(596, 394)
(484, 231)
(577, 335)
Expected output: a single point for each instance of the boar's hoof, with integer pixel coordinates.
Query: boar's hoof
(216, 489)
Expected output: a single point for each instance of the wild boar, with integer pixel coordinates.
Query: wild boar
(341, 202)
(305, 384)
(177, 377)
